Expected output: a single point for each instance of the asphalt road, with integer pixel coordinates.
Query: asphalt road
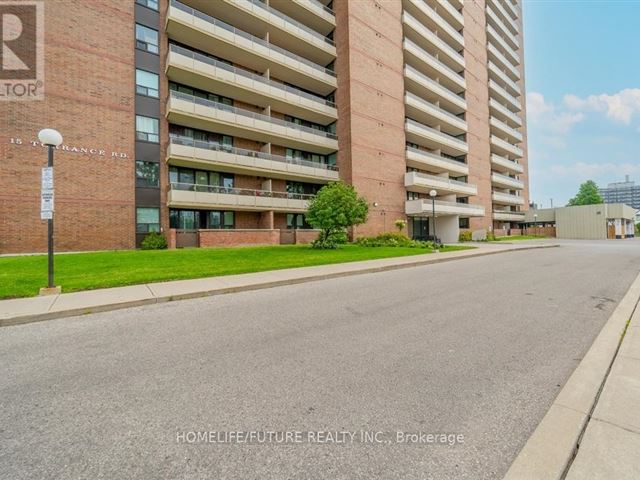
(476, 348)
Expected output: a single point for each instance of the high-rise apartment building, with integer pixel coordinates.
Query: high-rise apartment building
(622, 192)
(216, 121)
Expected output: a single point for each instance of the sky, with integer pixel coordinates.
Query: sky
(582, 74)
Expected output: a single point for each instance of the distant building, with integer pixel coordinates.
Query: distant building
(587, 222)
(622, 192)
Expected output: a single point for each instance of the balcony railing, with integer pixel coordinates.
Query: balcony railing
(454, 164)
(286, 18)
(192, 187)
(503, 43)
(428, 11)
(506, 163)
(247, 113)
(322, 6)
(426, 105)
(507, 180)
(435, 63)
(248, 36)
(190, 142)
(444, 136)
(239, 71)
(435, 86)
(506, 63)
(504, 94)
(433, 38)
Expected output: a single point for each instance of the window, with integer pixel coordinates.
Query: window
(152, 4)
(297, 220)
(146, 39)
(147, 174)
(147, 83)
(193, 219)
(302, 188)
(464, 223)
(200, 177)
(147, 129)
(177, 87)
(147, 220)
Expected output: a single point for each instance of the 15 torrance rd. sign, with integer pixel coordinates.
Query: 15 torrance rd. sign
(71, 148)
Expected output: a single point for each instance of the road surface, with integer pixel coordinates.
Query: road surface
(474, 349)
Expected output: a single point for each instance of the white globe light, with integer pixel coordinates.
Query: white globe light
(433, 193)
(49, 136)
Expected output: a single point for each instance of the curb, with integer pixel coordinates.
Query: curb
(551, 449)
(23, 319)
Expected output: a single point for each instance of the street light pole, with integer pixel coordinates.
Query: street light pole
(52, 139)
(50, 283)
(535, 221)
(433, 194)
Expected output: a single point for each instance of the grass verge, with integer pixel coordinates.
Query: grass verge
(23, 276)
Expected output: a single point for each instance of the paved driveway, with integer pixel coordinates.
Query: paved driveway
(475, 348)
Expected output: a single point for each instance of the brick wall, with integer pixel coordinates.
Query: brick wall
(219, 238)
(89, 98)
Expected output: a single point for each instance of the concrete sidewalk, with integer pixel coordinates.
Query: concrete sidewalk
(25, 310)
(592, 430)
(610, 446)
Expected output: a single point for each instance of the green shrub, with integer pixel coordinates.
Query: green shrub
(465, 236)
(491, 237)
(330, 240)
(392, 240)
(154, 241)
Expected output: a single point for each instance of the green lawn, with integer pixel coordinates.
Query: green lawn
(23, 276)
(519, 237)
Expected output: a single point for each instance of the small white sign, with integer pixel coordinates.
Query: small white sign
(46, 201)
(47, 178)
(48, 215)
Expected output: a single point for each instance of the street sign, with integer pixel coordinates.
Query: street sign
(46, 215)
(46, 201)
(47, 178)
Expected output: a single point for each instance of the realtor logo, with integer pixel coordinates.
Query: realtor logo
(21, 50)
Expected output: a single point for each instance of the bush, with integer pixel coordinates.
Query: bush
(491, 237)
(465, 237)
(392, 240)
(154, 241)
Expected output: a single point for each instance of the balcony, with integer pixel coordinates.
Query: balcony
(422, 182)
(434, 21)
(495, 73)
(505, 17)
(205, 114)
(433, 91)
(502, 44)
(511, 102)
(431, 66)
(512, 9)
(426, 112)
(502, 147)
(424, 160)
(505, 130)
(508, 216)
(311, 12)
(500, 198)
(187, 152)
(501, 61)
(260, 19)
(187, 195)
(434, 139)
(424, 208)
(504, 181)
(503, 113)
(504, 164)
(192, 68)
(212, 35)
(494, 20)
(447, 11)
(429, 41)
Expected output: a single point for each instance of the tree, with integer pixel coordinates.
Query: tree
(336, 207)
(587, 195)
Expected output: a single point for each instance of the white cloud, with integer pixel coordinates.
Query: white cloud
(553, 123)
(621, 106)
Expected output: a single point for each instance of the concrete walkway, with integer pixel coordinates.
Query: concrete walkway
(592, 430)
(25, 310)
(610, 446)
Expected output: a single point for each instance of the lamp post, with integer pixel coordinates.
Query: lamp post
(535, 221)
(52, 139)
(433, 194)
